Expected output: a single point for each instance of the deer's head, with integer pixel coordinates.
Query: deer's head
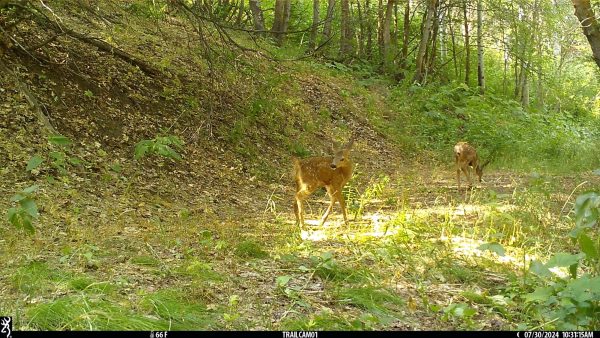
(341, 158)
(479, 169)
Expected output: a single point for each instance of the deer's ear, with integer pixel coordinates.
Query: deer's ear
(334, 147)
(350, 143)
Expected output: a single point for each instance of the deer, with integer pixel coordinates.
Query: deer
(331, 172)
(466, 158)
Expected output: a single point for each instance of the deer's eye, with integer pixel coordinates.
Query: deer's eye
(341, 160)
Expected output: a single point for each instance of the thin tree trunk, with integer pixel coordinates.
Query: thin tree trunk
(517, 80)
(524, 87)
(434, 38)
(361, 31)
(480, 69)
(420, 61)
(396, 30)
(312, 42)
(442, 37)
(467, 46)
(453, 40)
(380, 18)
(505, 51)
(540, 87)
(369, 47)
(406, 34)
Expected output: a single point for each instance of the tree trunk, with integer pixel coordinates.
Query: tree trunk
(453, 41)
(312, 42)
(524, 88)
(257, 16)
(419, 72)
(387, 55)
(369, 47)
(287, 11)
(406, 34)
(346, 30)
(591, 29)
(434, 37)
(395, 31)
(278, 16)
(467, 46)
(480, 70)
(361, 31)
(328, 20)
(442, 36)
(380, 18)
(505, 52)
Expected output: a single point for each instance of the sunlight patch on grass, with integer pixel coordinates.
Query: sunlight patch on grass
(469, 247)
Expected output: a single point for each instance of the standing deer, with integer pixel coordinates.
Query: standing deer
(466, 156)
(331, 172)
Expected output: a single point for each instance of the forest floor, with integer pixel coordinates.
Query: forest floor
(109, 256)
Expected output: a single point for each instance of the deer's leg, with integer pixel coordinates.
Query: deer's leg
(465, 170)
(296, 211)
(458, 175)
(340, 199)
(299, 207)
(331, 203)
(470, 169)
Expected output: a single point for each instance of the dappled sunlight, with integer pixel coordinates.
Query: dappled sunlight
(470, 247)
(370, 225)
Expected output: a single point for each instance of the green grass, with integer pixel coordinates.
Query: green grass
(83, 312)
(180, 312)
(250, 249)
(36, 277)
(322, 322)
(380, 302)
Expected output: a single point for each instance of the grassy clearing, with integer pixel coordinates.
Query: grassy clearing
(412, 260)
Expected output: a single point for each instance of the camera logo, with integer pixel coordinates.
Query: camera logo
(5, 327)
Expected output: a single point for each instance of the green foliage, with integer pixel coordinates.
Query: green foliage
(572, 303)
(498, 127)
(161, 145)
(34, 162)
(493, 247)
(461, 313)
(374, 191)
(22, 215)
(328, 268)
(147, 9)
(60, 157)
(250, 249)
(587, 212)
